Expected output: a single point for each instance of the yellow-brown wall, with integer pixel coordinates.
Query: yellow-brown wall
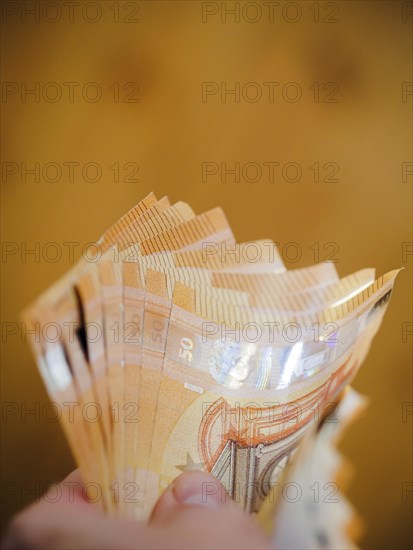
(169, 52)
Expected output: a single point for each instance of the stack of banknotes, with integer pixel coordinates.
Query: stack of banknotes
(181, 349)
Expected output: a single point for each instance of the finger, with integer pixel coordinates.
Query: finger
(55, 507)
(74, 476)
(72, 526)
(196, 512)
(72, 489)
(190, 489)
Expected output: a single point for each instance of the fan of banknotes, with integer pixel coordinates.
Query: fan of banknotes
(178, 349)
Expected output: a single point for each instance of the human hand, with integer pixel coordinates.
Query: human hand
(193, 512)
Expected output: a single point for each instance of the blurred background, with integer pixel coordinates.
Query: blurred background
(295, 117)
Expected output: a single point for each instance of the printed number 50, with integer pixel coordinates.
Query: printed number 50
(185, 352)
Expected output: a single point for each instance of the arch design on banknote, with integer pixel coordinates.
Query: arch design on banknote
(247, 448)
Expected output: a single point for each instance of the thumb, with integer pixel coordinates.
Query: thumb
(191, 489)
(196, 512)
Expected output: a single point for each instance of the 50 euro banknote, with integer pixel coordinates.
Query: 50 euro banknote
(237, 408)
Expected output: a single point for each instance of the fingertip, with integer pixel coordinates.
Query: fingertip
(199, 488)
(74, 491)
(74, 477)
(190, 489)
